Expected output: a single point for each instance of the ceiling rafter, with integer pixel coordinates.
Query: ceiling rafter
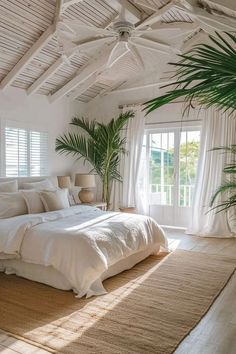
(140, 87)
(95, 66)
(157, 15)
(67, 3)
(43, 40)
(46, 75)
(143, 3)
(132, 14)
(84, 86)
(200, 36)
(210, 23)
(53, 69)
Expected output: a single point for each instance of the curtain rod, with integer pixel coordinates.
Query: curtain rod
(121, 106)
(175, 121)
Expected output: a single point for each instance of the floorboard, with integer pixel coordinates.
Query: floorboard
(215, 334)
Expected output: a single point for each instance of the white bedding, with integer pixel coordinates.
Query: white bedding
(80, 242)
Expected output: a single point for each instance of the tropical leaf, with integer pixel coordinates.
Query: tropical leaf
(205, 75)
(225, 187)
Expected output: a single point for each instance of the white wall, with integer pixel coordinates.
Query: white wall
(106, 107)
(36, 111)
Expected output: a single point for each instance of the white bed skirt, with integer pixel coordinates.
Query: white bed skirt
(52, 277)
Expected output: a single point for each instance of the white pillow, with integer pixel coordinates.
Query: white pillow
(41, 185)
(9, 186)
(55, 200)
(12, 204)
(33, 201)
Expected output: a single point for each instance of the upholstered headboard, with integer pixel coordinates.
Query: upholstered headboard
(29, 179)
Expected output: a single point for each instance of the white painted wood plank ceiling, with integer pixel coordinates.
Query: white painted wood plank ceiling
(30, 57)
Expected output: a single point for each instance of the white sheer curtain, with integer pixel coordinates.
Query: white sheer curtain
(217, 130)
(127, 194)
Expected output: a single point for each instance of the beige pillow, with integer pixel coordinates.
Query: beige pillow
(9, 186)
(55, 200)
(12, 204)
(33, 201)
(41, 185)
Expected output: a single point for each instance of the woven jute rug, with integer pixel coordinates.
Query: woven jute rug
(148, 309)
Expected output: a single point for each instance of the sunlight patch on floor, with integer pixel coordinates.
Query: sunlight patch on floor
(89, 314)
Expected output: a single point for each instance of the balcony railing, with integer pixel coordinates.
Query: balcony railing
(163, 194)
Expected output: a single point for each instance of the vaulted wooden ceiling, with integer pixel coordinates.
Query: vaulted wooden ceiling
(30, 58)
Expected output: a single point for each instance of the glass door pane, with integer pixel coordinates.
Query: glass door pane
(161, 168)
(188, 158)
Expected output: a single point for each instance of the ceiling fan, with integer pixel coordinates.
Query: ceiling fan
(122, 36)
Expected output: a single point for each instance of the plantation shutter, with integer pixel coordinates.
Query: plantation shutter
(25, 152)
(16, 152)
(38, 153)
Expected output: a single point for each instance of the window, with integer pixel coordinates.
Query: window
(173, 154)
(168, 174)
(26, 152)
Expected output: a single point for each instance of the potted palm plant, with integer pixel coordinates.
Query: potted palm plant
(101, 145)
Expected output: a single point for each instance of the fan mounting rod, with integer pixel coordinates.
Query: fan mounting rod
(124, 29)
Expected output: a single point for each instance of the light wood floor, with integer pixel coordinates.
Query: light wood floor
(215, 334)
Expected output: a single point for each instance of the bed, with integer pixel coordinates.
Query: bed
(78, 247)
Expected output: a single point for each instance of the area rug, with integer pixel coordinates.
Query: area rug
(148, 309)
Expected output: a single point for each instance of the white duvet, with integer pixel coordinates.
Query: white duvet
(81, 242)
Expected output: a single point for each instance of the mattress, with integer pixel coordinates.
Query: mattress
(52, 277)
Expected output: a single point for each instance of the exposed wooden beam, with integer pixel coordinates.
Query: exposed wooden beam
(84, 86)
(52, 70)
(45, 76)
(225, 4)
(33, 51)
(212, 22)
(146, 5)
(130, 11)
(67, 3)
(199, 37)
(175, 25)
(95, 66)
(141, 87)
(157, 15)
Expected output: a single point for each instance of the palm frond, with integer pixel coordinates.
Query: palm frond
(225, 187)
(206, 75)
(89, 126)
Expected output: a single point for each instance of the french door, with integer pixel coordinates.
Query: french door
(171, 165)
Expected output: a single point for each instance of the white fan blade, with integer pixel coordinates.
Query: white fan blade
(158, 31)
(78, 28)
(92, 43)
(119, 50)
(153, 45)
(136, 55)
